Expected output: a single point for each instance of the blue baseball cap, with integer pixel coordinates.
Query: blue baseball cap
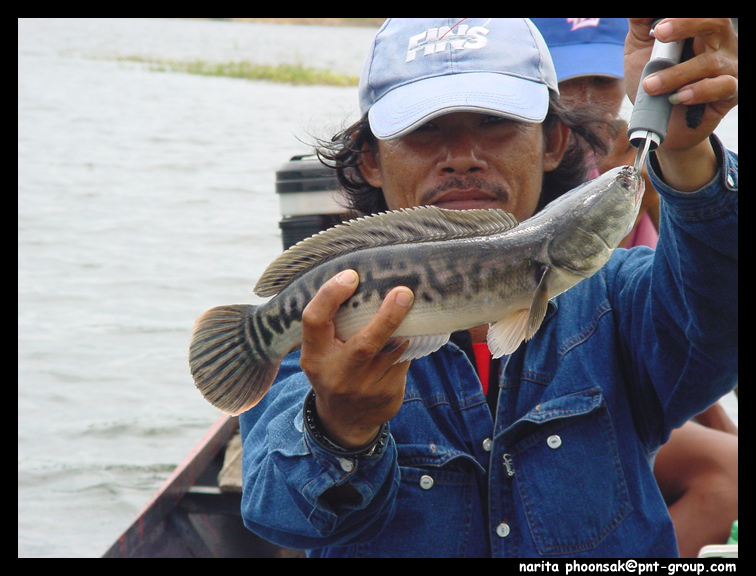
(585, 46)
(420, 68)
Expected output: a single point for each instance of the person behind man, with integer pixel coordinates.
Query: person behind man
(588, 57)
(352, 455)
(697, 469)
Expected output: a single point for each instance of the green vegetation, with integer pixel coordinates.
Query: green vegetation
(285, 73)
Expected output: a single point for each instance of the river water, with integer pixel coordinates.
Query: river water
(144, 198)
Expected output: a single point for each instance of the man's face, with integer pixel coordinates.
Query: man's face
(593, 90)
(465, 160)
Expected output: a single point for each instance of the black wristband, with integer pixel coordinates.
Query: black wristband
(312, 425)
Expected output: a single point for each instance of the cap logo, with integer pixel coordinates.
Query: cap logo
(578, 23)
(435, 40)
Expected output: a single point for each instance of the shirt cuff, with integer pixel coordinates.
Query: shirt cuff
(310, 470)
(709, 201)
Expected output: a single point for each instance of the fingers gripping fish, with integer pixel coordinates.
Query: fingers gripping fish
(466, 268)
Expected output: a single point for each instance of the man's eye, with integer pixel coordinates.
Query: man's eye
(427, 126)
(494, 120)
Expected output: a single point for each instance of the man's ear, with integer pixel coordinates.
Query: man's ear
(370, 166)
(556, 140)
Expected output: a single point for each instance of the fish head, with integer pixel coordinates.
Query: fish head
(593, 219)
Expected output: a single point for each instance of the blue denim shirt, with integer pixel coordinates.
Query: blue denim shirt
(565, 468)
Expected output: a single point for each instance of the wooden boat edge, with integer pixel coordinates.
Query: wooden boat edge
(175, 487)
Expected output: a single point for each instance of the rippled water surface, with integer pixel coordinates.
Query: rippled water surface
(143, 199)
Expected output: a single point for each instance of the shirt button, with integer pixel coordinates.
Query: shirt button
(554, 442)
(426, 482)
(346, 465)
(487, 444)
(502, 530)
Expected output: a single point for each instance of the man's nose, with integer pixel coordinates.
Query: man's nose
(461, 155)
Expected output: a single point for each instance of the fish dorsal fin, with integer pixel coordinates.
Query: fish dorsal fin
(412, 225)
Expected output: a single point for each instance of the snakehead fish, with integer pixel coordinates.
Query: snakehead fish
(466, 268)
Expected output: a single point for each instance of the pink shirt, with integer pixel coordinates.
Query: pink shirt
(644, 233)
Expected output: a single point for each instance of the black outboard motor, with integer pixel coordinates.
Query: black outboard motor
(310, 197)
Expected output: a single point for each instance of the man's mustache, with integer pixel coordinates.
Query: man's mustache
(496, 191)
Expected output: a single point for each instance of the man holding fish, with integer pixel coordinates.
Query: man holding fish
(356, 451)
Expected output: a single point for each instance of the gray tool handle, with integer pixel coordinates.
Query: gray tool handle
(650, 116)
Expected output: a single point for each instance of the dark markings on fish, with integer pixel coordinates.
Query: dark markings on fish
(382, 286)
(251, 328)
(262, 330)
(432, 280)
(275, 323)
(292, 318)
(366, 279)
(385, 264)
(454, 276)
(292, 304)
(475, 278)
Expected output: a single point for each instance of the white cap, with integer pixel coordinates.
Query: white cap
(420, 68)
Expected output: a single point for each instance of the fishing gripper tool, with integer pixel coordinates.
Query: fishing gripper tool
(650, 116)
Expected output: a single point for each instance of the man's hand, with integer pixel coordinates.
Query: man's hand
(710, 77)
(357, 386)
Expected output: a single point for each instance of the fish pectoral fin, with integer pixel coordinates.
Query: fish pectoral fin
(419, 346)
(539, 305)
(506, 335)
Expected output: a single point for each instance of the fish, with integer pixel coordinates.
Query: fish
(466, 268)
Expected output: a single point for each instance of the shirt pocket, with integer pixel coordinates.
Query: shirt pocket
(438, 507)
(570, 480)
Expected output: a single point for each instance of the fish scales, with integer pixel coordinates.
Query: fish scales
(455, 286)
(466, 268)
(437, 273)
(445, 279)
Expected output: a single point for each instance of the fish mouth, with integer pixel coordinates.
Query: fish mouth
(632, 179)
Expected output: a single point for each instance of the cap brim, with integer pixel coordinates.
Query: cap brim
(588, 60)
(405, 108)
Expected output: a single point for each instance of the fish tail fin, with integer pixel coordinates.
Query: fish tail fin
(228, 361)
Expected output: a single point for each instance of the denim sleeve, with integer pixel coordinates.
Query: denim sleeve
(286, 474)
(679, 305)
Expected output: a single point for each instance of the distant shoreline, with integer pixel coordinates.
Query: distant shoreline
(364, 22)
